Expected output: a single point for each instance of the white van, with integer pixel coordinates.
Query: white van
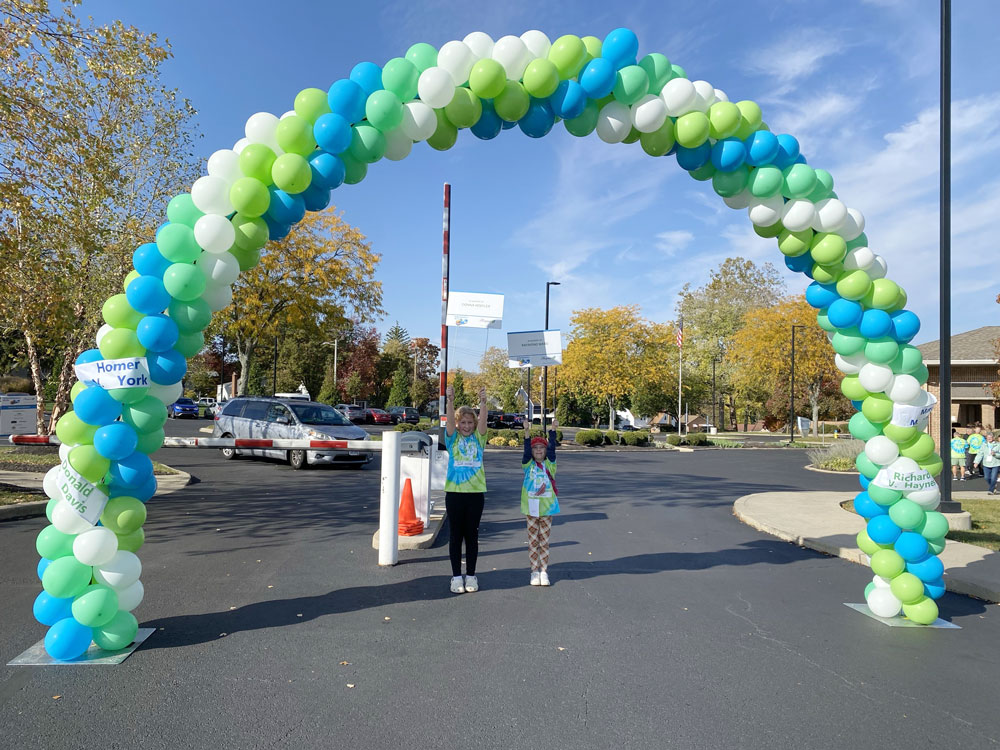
(294, 396)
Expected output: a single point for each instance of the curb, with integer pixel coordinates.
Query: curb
(810, 467)
(418, 541)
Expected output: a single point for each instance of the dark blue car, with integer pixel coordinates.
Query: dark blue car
(183, 407)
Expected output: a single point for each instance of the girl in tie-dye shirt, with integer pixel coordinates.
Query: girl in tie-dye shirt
(539, 499)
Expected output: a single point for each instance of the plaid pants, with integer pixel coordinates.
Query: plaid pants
(538, 541)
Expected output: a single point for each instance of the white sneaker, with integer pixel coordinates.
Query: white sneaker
(457, 585)
(471, 584)
(543, 579)
(535, 577)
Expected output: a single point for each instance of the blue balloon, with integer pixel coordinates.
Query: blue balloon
(315, 197)
(144, 492)
(875, 324)
(762, 148)
(67, 639)
(905, 325)
(882, 530)
(911, 546)
(132, 471)
(116, 440)
(285, 208)
(620, 47)
(157, 333)
(821, 295)
(95, 406)
(569, 101)
(728, 154)
(934, 589)
(490, 124)
(800, 159)
(368, 75)
(598, 78)
(147, 294)
(43, 563)
(844, 313)
(862, 479)
(48, 610)
(148, 261)
(691, 159)
(867, 507)
(539, 119)
(347, 99)
(276, 231)
(800, 263)
(89, 355)
(927, 570)
(332, 131)
(166, 368)
(857, 407)
(328, 171)
(788, 151)
(508, 125)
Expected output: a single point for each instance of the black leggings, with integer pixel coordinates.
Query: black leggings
(464, 511)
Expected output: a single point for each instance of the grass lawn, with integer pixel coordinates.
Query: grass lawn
(985, 524)
(10, 495)
(36, 458)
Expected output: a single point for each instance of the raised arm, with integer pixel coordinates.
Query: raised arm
(482, 411)
(552, 440)
(449, 410)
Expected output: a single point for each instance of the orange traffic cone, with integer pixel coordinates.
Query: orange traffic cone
(409, 524)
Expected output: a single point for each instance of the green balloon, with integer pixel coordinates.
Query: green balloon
(150, 442)
(933, 526)
(723, 120)
(658, 71)
(632, 137)
(826, 274)
(181, 209)
(189, 344)
(883, 495)
(869, 588)
(877, 407)
(800, 180)
(464, 109)
(88, 463)
(882, 350)
(888, 564)
(936, 546)
(119, 343)
(184, 281)
(728, 184)
(851, 387)
(900, 302)
(129, 278)
(118, 633)
(400, 76)
(863, 428)
(354, 171)
(249, 197)
(123, 515)
(765, 182)
(247, 258)
(920, 448)
(127, 395)
(295, 135)
(78, 386)
(256, 160)
(292, 172)
(631, 85)
(568, 53)
(422, 55)
(176, 243)
(907, 588)
(828, 248)
(132, 542)
(53, 544)
(907, 360)
(384, 110)
(865, 466)
(899, 435)
(311, 104)
(367, 144)
(660, 141)
(541, 78)
(853, 285)
(146, 415)
(932, 464)
(824, 186)
(190, 316)
(251, 232)
(487, 79)
(704, 172)
(750, 116)
(445, 134)
(924, 611)
(847, 342)
(679, 72)
(585, 124)
(906, 514)
(865, 543)
(50, 506)
(769, 232)
(793, 244)
(66, 577)
(883, 293)
(823, 321)
(71, 430)
(96, 606)
(921, 374)
(593, 45)
(513, 102)
(692, 129)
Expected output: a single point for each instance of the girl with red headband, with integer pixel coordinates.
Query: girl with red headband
(539, 498)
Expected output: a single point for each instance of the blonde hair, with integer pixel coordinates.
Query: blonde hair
(465, 411)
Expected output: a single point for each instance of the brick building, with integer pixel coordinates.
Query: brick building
(973, 369)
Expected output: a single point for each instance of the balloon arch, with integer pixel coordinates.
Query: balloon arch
(286, 166)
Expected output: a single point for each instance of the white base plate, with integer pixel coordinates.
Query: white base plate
(36, 656)
(900, 621)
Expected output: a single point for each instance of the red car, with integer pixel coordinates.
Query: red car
(377, 416)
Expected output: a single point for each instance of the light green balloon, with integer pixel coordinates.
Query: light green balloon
(88, 463)
(292, 174)
(882, 350)
(823, 321)
(66, 577)
(146, 415)
(118, 313)
(247, 258)
(123, 515)
(865, 543)
(190, 316)
(658, 71)
(400, 76)
(660, 141)
(71, 430)
(464, 109)
(723, 120)
(541, 78)
(593, 45)
(631, 85)
(921, 374)
(883, 495)
(119, 343)
(585, 124)
(824, 186)
(384, 110)
(354, 171)
(251, 232)
(866, 466)
(828, 248)
(422, 55)
(851, 387)
(176, 243)
(800, 180)
(445, 134)
(907, 587)
(728, 184)
(118, 633)
(150, 442)
(129, 278)
(826, 274)
(932, 464)
(924, 611)
(184, 281)
(765, 182)
(487, 79)
(877, 407)
(132, 542)
(794, 244)
(933, 526)
(256, 161)
(888, 564)
(311, 104)
(679, 72)
(189, 344)
(181, 209)
(53, 544)
(691, 130)
(367, 144)
(920, 449)
(770, 232)
(568, 53)
(249, 197)
(883, 293)
(847, 342)
(936, 546)
(96, 606)
(906, 514)
(863, 428)
(853, 285)
(899, 435)
(295, 135)
(750, 117)
(513, 102)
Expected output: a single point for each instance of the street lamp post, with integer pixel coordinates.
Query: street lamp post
(334, 344)
(791, 392)
(545, 370)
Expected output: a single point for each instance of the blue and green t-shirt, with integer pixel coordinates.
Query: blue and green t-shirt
(958, 447)
(975, 442)
(465, 462)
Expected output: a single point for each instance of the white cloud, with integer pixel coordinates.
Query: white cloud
(797, 55)
(672, 242)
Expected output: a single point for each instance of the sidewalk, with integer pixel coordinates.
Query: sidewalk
(816, 520)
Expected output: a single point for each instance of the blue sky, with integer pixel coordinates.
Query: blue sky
(856, 81)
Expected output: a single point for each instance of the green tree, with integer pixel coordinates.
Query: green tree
(353, 387)
(329, 393)
(462, 396)
(501, 381)
(400, 387)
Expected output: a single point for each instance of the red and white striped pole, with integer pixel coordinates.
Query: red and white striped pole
(445, 263)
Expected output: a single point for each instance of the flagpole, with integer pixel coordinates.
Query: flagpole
(445, 263)
(680, 368)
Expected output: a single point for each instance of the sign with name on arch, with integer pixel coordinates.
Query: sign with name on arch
(81, 495)
(534, 348)
(475, 310)
(130, 372)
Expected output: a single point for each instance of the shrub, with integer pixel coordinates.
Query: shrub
(405, 427)
(674, 439)
(839, 456)
(513, 442)
(13, 384)
(496, 441)
(612, 438)
(722, 443)
(630, 438)
(697, 439)
(590, 437)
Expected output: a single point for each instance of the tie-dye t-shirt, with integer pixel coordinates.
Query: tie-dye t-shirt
(465, 462)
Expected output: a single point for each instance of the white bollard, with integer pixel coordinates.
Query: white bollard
(388, 517)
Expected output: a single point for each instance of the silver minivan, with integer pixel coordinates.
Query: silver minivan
(273, 419)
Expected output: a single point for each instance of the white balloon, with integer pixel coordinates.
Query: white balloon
(875, 378)
(219, 268)
(64, 450)
(537, 42)
(260, 128)
(928, 499)
(225, 164)
(649, 114)
(101, 333)
(831, 214)
(457, 59)
(850, 364)
(166, 393)
(214, 233)
(705, 95)
(878, 269)
(798, 214)
(881, 450)
(883, 603)
(739, 201)
(419, 120)
(511, 52)
(880, 582)
(67, 520)
(858, 259)
(397, 145)
(720, 96)
(211, 195)
(480, 43)
(766, 212)
(902, 464)
(241, 144)
(436, 88)
(922, 398)
(614, 122)
(289, 113)
(120, 572)
(680, 96)
(50, 483)
(217, 297)
(853, 225)
(130, 597)
(95, 546)
(904, 388)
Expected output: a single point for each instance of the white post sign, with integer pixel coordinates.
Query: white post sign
(534, 348)
(82, 496)
(131, 372)
(475, 310)
(905, 481)
(904, 415)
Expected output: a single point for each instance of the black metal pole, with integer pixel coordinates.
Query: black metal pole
(545, 370)
(274, 379)
(716, 424)
(944, 402)
(791, 396)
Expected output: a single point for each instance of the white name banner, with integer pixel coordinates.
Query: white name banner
(534, 348)
(920, 479)
(82, 496)
(131, 372)
(475, 310)
(904, 415)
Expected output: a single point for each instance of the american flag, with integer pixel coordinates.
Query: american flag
(680, 333)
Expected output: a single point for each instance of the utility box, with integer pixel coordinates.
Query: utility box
(18, 414)
(415, 465)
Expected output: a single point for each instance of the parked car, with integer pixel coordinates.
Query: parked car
(207, 405)
(274, 418)
(505, 421)
(404, 414)
(353, 412)
(377, 416)
(183, 407)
